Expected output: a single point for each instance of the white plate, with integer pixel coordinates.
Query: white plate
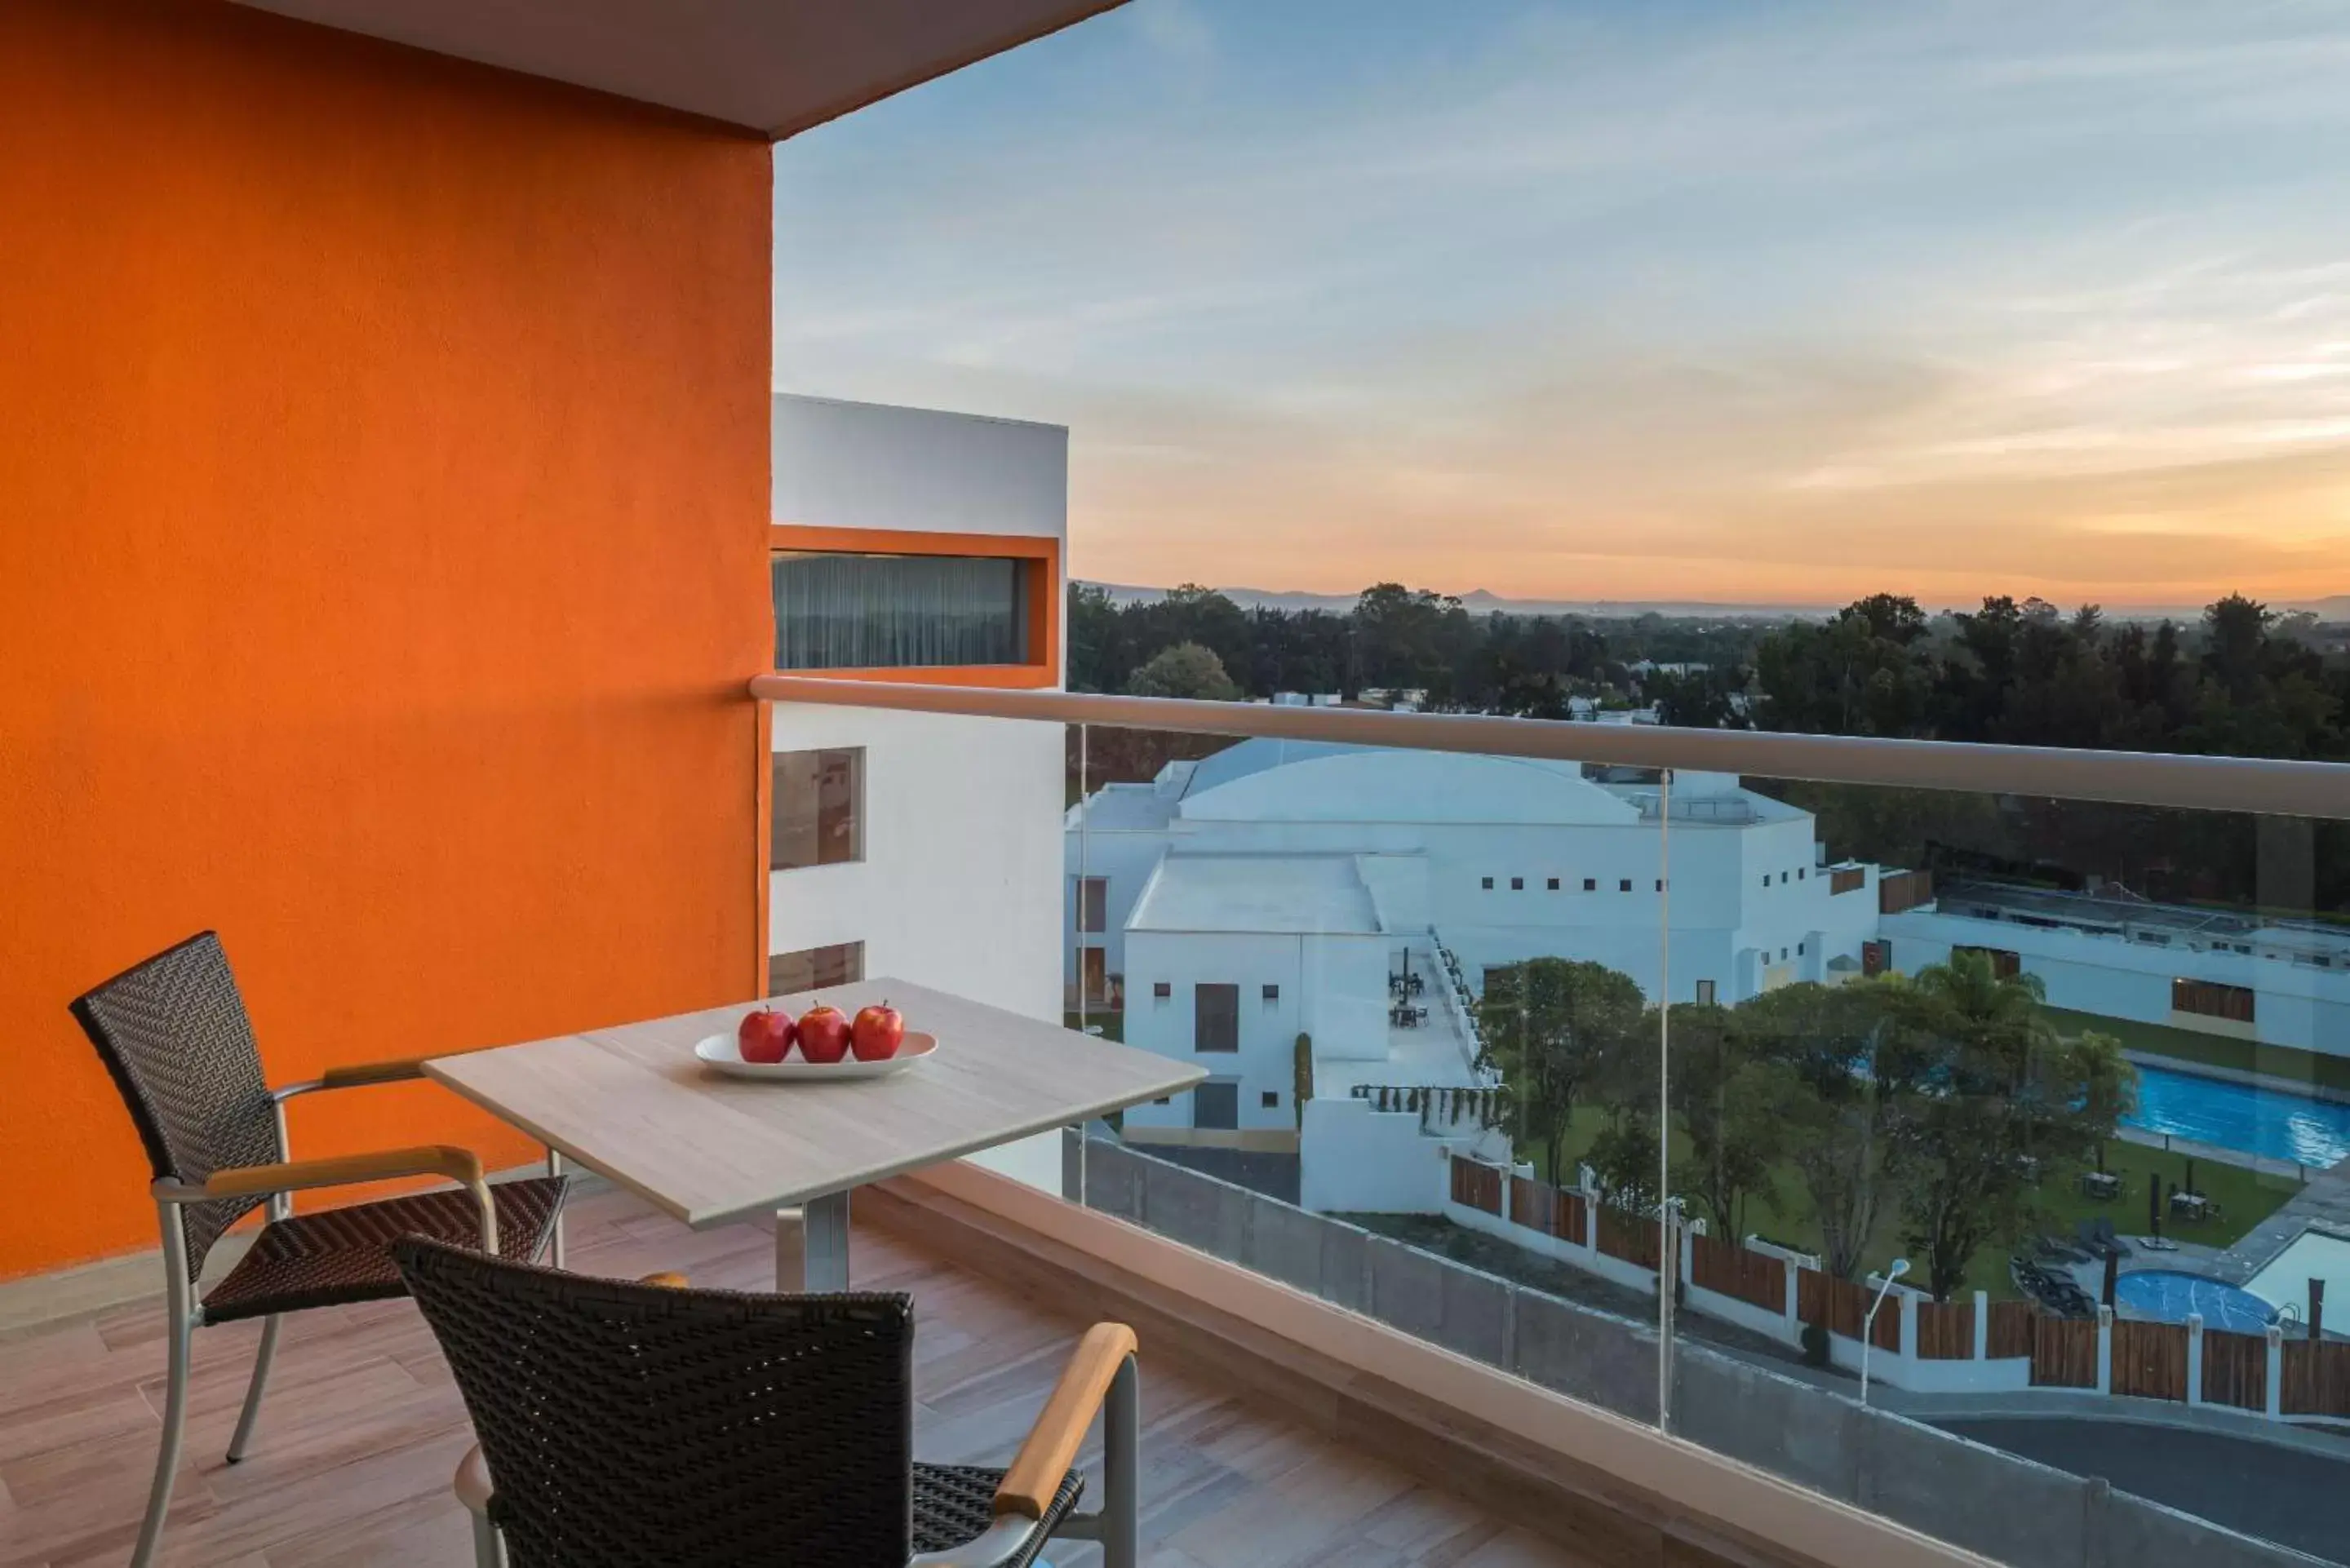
(723, 1053)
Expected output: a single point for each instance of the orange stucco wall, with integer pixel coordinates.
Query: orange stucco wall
(383, 493)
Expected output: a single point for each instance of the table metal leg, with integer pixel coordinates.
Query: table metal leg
(812, 1245)
(554, 1242)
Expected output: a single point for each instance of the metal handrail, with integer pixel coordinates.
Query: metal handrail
(2254, 785)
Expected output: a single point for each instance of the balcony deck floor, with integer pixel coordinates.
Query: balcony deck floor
(350, 1465)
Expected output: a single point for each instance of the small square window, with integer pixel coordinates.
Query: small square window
(1782, 876)
(1661, 884)
(1273, 993)
(1624, 886)
(1164, 1100)
(1486, 883)
(1591, 884)
(1553, 884)
(1783, 955)
(1517, 884)
(1160, 990)
(1766, 878)
(1799, 873)
(1271, 1100)
(1799, 949)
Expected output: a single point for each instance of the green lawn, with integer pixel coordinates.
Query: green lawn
(2210, 1050)
(1111, 1025)
(1786, 1216)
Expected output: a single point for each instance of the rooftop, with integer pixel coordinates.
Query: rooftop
(1282, 893)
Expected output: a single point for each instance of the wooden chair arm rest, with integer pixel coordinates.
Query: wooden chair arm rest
(355, 1075)
(473, 1486)
(297, 1175)
(1053, 1442)
(665, 1279)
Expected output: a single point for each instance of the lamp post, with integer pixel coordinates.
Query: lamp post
(1868, 1325)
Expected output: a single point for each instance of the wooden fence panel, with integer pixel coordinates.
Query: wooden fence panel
(2151, 1359)
(1569, 1219)
(2316, 1378)
(1841, 1306)
(2010, 1334)
(1811, 1297)
(1539, 1205)
(1629, 1237)
(1946, 1331)
(1725, 1267)
(1477, 1186)
(2064, 1352)
(2236, 1369)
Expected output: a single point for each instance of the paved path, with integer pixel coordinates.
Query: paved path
(2291, 1496)
(2325, 1201)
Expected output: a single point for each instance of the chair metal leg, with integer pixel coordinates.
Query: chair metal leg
(181, 1328)
(261, 1360)
(1121, 1523)
(487, 1552)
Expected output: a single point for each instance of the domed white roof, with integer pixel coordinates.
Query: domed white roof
(1412, 786)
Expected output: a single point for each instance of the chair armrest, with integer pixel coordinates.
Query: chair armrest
(358, 1074)
(473, 1482)
(1051, 1448)
(458, 1164)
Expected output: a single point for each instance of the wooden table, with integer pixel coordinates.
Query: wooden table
(631, 1103)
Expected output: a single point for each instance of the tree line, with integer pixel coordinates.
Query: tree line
(2241, 680)
(1942, 1101)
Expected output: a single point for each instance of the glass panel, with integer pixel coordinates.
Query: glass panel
(2007, 1107)
(881, 612)
(1434, 1071)
(818, 808)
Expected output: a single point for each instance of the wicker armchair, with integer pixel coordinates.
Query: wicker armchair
(626, 1425)
(173, 1034)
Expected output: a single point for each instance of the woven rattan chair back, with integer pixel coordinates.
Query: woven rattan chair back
(173, 1032)
(627, 1426)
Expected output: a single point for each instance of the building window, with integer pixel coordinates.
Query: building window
(1093, 903)
(1486, 883)
(818, 809)
(1705, 993)
(2006, 963)
(814, 969)
(1164, 1100)
(1160, 990)
(1216, 1017)
(1661, 884)
(1766, 878)
(839, 611)
(1553, 884)
(1216, 1106)
(2208, 999)
(1624, 886)
(1272, 994)
(1783, 955)
(1783, 878)
(1517, 884)
(1799, 873)
(1093, 973)
(1270, 1099)
(1591, 884)
(1799, 949)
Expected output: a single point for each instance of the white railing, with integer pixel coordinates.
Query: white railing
(2255, 784)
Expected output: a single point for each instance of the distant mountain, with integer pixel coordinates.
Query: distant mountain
(1482, 601)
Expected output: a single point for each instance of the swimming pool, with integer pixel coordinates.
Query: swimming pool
(2172, 1297)
(2237, 1116)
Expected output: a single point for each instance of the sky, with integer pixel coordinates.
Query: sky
(1754, 301)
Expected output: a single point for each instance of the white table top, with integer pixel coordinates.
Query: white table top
(631, 1103)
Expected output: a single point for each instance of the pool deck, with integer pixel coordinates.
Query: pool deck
(2325, 1201)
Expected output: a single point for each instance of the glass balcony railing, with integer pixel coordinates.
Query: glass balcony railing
(1922, 1146)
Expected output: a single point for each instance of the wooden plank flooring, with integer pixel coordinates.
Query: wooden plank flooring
(362, 1428)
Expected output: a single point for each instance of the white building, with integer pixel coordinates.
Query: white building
(910, 543)
(2278, 984)
(1271, 890)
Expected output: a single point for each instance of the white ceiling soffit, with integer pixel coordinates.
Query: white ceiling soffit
(776, 65)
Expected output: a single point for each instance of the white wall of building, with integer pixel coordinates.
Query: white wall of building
(870, 465)
(2294, 1005)
(1354, 1159)
(961, 886)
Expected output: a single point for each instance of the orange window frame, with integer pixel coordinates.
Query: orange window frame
(1040, 557)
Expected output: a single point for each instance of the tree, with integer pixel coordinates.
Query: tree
(1828, 1040)
(1992, 1102)
(1734, 1107)
(1555, 1027)
(1185, 669)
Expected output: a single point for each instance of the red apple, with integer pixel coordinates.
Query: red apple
(765, 1036)
(824, 1033)
(878, 1032)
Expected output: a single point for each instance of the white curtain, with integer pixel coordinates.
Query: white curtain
(875, 612)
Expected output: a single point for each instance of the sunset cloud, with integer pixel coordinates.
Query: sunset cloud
(1678, 301)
